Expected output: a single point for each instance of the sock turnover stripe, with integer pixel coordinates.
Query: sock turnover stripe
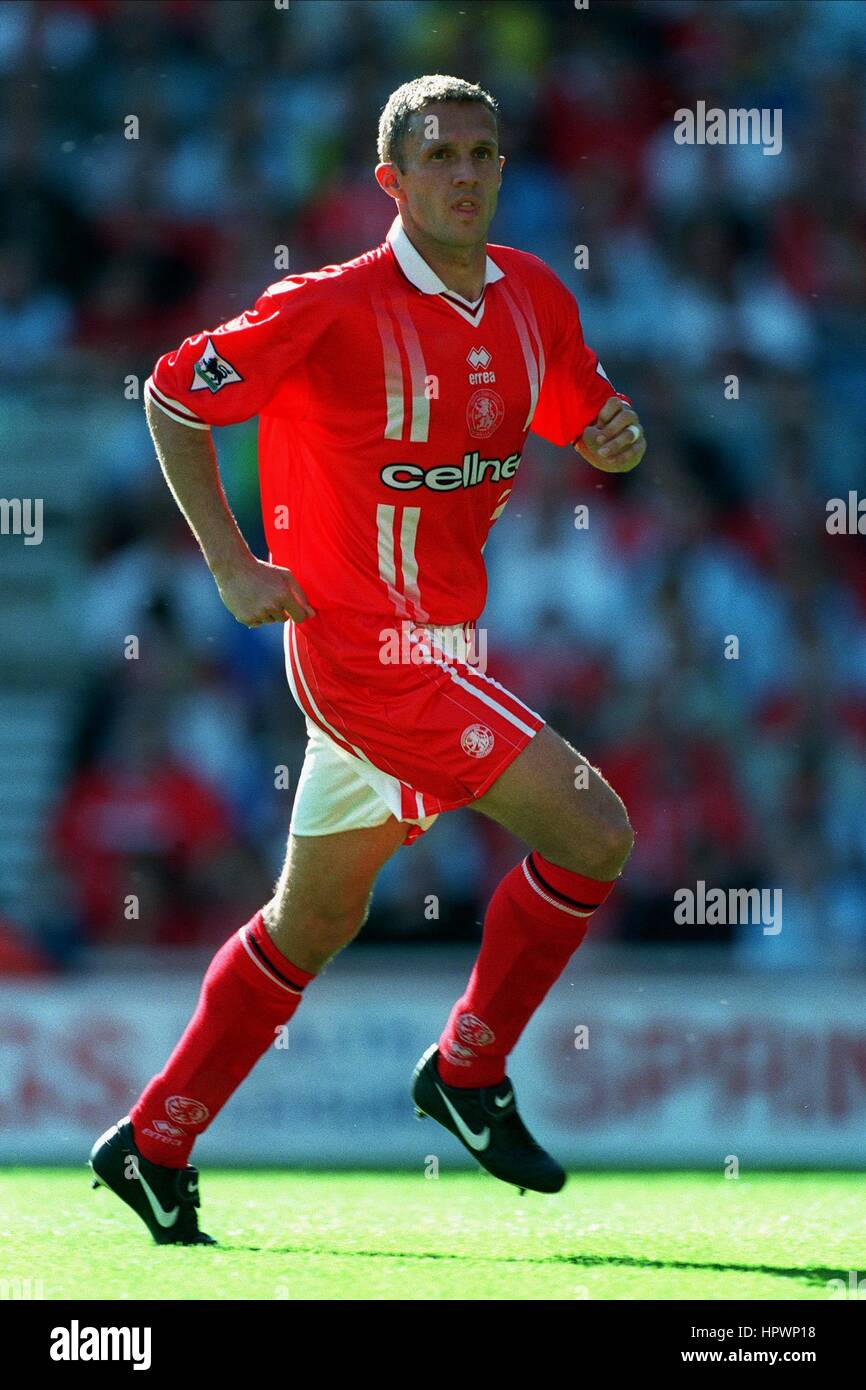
(254, 951)
(548, 898)
(563, 897)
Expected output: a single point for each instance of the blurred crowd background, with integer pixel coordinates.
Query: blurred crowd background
(257, 129)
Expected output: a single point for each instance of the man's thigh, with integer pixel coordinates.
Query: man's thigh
(551, 797)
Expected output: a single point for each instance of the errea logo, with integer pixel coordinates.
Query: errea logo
(165, 1132)
(479, 360)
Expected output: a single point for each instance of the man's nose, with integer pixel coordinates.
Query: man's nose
(465, 171)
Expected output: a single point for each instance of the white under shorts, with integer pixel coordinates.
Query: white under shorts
(337, 791)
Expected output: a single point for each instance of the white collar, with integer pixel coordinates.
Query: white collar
(423, 277)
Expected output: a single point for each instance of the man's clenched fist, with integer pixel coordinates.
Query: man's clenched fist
(616, 442)
(256, 593)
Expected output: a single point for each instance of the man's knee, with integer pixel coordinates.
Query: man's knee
(333, 919)
(616, 836)
(599, 842)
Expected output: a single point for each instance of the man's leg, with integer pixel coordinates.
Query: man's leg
(580, 835)
(323, 895)
(555, 801)
(255, 983)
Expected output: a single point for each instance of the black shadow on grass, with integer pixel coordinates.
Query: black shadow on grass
(812, 1275)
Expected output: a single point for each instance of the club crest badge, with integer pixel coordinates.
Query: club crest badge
(472, 1029)
(484, 413)
(477, 740)
(185, 1111)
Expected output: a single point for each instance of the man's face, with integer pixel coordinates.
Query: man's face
(451, 158)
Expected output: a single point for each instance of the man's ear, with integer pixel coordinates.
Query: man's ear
(388, 178)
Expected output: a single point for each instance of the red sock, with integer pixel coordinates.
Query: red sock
(536, 920)
(250, 988)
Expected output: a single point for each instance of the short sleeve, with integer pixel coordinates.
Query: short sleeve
(230, 373)
(575, 385)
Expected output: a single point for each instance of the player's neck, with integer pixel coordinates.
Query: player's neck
(460, 268)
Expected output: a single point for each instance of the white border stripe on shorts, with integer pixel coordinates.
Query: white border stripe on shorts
(293, 686)
(403, 790)
(341, 738)
(482, 675)
(488, 699)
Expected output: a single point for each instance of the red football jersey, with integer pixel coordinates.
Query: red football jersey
(392, 417)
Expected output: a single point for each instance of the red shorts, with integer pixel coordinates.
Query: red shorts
(410, 705)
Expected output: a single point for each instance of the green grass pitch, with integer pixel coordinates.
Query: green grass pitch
(303, 1235)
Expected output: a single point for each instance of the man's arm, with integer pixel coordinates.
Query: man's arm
(254, 591)
(578, 404)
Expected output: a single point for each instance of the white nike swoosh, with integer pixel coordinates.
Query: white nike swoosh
(165, 1218)
(502, 1101)
(475, 1141)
